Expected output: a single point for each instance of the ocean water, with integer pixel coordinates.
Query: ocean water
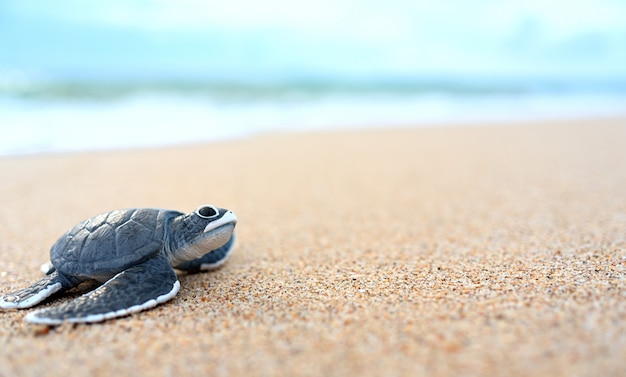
(77, 76)
(54, 119)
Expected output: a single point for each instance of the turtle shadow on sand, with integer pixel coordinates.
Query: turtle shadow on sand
(122, 262)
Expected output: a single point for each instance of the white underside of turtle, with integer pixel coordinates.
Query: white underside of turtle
(134, 252)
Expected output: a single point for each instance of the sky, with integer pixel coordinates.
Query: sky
(274, 39)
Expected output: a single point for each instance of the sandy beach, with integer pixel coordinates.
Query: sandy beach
(487, 250)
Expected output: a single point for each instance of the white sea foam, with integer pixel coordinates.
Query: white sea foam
(39, 126)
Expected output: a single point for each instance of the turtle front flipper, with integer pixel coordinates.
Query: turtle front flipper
(210, 260)
(36, 293)
(138, 288)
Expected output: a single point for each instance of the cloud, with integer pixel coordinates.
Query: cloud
(399, 36)
(563, 17)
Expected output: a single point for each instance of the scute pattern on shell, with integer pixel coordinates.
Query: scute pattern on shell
(110, 242)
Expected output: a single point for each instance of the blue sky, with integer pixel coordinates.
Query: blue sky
(344, 38)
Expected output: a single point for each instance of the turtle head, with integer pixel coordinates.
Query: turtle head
(203, 230)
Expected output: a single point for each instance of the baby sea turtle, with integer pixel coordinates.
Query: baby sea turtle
(134, 253)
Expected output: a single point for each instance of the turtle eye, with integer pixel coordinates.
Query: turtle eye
(207, 212)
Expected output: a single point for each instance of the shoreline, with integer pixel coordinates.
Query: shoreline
(147, 121)
(493, 123)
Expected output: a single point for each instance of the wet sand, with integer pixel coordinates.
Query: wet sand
(474, 251)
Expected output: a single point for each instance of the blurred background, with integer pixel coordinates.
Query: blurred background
(84, 75)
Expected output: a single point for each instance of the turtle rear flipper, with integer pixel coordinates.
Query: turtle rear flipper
(138, 288)
(36, 293)
(211, 260)
(47, 268)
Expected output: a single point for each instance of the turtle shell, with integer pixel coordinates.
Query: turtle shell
(110, 242)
